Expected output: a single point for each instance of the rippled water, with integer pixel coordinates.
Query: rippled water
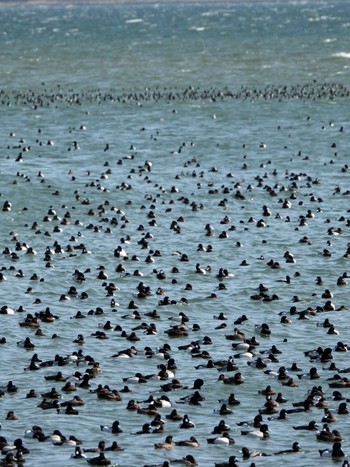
(187, 88)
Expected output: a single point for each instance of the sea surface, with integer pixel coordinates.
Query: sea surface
(156, 128)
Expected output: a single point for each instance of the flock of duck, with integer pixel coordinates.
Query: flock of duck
(177, 304)
(306, 91)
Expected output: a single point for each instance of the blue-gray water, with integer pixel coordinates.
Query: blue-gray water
(221, 98)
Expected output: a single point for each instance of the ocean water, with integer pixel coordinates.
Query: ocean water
(131, 117)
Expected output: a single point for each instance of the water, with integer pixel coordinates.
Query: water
(196, 90)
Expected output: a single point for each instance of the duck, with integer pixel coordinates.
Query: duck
(336, 451)
(186, 423)
(241, 346)
(172, 386)
(280, 374)
(53, 394)
(263, 329)
(223, 439)
(329, 417)
(163, 401)
(69, 387)
(268, 391)
(231, 462)
(108, 394)
(295, 449)
(192, 399)
(114, 428)
(7, 310)
(100, 447)
(16, 446)
(290, 382)
(12, 459)
(272, 350)
(70, 410)
(163, 464)
(312, 426)
(281, 416)
(256, 423)
(262, 433)
(343, 409)
(71, 441)
(224, 410)
(56, 377)
(236, 379)
(165, 373)
(174, 415)
(33, 432)
(126, 353)
(221, 316)
(188, 460)
(200, 270)
(10, 387)
(78, 454)
(337, 396)
(236, 336)
(259, 363)
(177, 331)
(50, 404)
(76, 401)
(329, 436)
(26, 344)
(247, 454)
(243, 354)
(151, 409)
(145, 430)
(281, 399)
(312, 374)
(57, 438)
(101, 459)
(168, 443)
(191, 442)
(114, 447)
(221, 428)
(11, 415)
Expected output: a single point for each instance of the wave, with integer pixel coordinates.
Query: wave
(341, 55)
(134, 20)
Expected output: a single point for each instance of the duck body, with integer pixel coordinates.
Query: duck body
(224, 439)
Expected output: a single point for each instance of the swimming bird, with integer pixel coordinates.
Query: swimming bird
(312, 426)
(78, 454)
(295, 449)
(256, 423)
(16, 446)
(100, 447)
(236, 379)
(221, 427)
(327, 435)
(114, 447)
(262, 433)
(187, 460)
(114, 428)
(335, 452)
(247, 454)
(230, 401)
(101, 459)
(186, 423)
(231, 462)
(191, 442)
(225, 439)
(168, 443)
(174, 415)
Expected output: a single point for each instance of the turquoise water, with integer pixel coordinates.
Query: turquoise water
(220, 98)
